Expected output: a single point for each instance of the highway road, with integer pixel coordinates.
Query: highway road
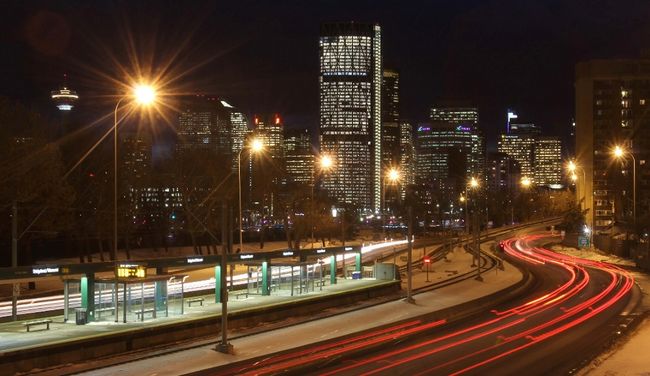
(572, 309)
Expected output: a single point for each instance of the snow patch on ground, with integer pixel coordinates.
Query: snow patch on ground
(592, 254)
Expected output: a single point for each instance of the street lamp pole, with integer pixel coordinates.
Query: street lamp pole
(115, 178)
(143, 95)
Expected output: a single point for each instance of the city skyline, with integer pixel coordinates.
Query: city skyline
(528, 76)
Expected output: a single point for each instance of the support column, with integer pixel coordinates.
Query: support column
(217, 284)
(88, 295)
(159, 295)
(358, 262)
(333, 269)
(66, 299)
(265, 279)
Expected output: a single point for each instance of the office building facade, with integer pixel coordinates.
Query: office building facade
(350, 119)
(299, 156)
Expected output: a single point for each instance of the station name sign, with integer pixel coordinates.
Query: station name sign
(194, 260)
(45, 270)
(130, 270)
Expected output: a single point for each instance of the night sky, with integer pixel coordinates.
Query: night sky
(263, 55)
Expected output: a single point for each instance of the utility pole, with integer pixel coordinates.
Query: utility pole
(409, 264)
(14, 259)
(224, 346)
(477, 238)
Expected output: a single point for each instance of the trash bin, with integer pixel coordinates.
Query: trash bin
(81, 316)
(356, 275)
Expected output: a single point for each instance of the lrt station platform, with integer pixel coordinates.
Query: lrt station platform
(101, 314)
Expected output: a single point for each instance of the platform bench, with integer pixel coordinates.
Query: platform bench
(105, 309)
(141, 314)
(46, 322)
(194, 300)
(241, 293)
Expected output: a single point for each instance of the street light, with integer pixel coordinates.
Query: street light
(143, 95)
(255, 146)
(473, 186)
(325, 163)
(392, 176)
(620, 153)
(526, 182)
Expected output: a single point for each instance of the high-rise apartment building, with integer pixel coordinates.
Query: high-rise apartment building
(299, 156)
(612, 101)
(548, 161)
(350, 118)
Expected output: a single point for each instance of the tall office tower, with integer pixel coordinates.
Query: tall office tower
(270, 130)
(390, 132)
(519, 143)
(407, 155)
(503, 182)
(450, 146)
(450, 150)
(350, 118)
(548, 161)
(204, 125)
(135, 153)
(135, 169)
(503, 173)
(299, 156)
(612, 101)
(64, 98)
(240, 132)
(266, 170)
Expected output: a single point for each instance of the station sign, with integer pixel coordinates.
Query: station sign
(45, 270)
(130, 270)
(195, 260)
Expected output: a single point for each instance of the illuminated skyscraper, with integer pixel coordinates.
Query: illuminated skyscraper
(299, 156)
(450, 150)
(390, 138)
(204, 124)
(350, 111)
(548, 161)
(407, 162)
(519, 143)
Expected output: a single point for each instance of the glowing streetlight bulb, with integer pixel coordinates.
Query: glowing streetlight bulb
(574, 177)
(618, 151)
(257, 145)
(144, 94)
(393, 175)
(326, 162)
(526, 182)
(473, 183)
(572, 166)
(462, 198)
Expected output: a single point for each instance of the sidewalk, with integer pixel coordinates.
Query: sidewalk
(629, 356)
(332, 327)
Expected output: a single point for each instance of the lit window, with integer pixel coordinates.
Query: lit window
(642, 102)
